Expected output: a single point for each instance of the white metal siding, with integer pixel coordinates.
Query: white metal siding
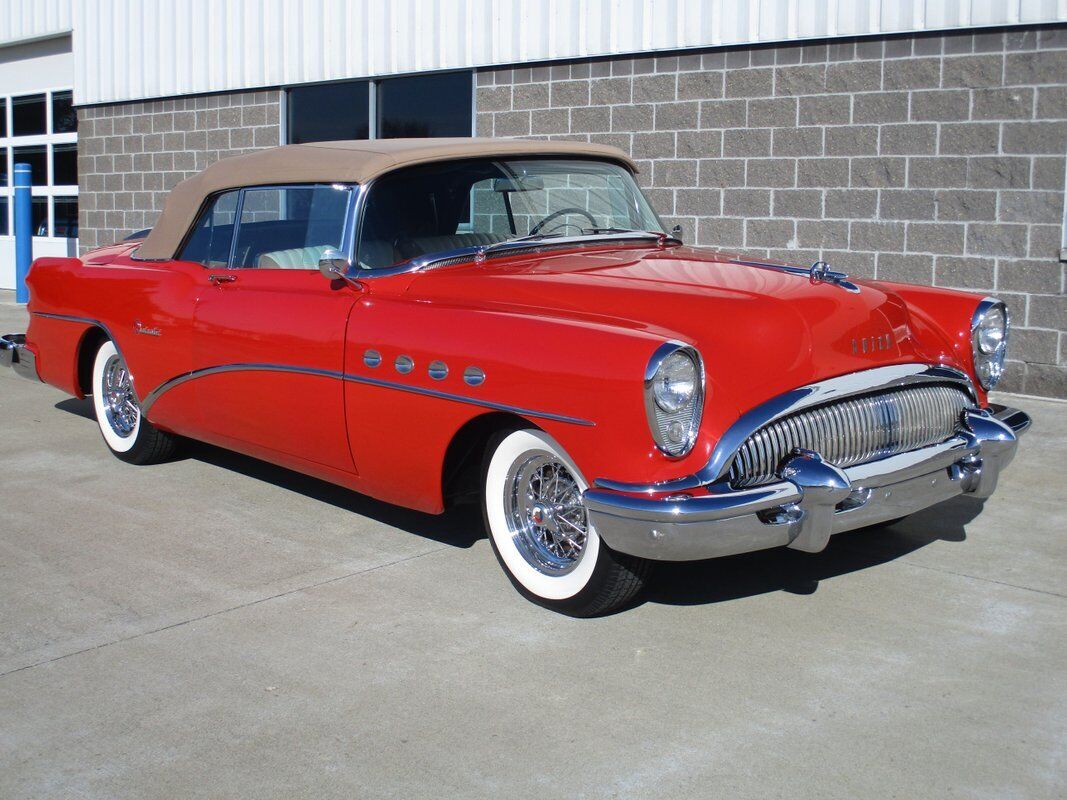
(25, 20)
(132, 49)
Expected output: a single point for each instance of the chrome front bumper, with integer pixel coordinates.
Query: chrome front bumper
(812, 501)
(15, 354)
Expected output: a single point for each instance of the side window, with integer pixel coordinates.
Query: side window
(290, 227)
(209, 243)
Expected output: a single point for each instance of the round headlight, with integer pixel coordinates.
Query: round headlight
(676, 381)
(674, 397)
(989, 341)
(989, 334)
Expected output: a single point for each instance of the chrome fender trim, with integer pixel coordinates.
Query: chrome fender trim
(871, 380)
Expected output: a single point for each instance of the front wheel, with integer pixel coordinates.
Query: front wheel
(541, 534)
(127, 434)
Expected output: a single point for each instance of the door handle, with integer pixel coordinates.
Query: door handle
(220, 279)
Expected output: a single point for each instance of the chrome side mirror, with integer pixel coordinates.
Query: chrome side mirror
(333, 264)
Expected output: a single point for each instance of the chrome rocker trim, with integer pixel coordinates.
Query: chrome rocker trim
(813, 499)
(15, 354)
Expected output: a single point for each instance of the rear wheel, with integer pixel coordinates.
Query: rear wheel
(541, 534)
(126, 433)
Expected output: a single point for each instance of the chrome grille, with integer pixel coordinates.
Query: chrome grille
(853, 430)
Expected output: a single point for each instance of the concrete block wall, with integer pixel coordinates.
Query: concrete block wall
(131, 154)
(934, 159)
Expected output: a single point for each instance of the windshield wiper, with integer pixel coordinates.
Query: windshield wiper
(663, 237)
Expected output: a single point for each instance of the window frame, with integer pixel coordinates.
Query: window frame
(347, 232)
(48, 190)
(372, 99)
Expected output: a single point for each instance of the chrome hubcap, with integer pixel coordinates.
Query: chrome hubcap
(545, 513)
(120, 406)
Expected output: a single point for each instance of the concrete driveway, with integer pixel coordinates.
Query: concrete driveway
(219, 627)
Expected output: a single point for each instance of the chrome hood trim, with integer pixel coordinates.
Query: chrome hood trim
(872, 380)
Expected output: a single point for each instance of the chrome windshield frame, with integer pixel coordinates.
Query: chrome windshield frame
(421, 262)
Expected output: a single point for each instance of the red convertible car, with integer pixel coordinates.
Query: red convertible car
(425, 321)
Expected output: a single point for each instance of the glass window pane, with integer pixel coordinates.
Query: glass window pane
(65, 217)
(3, 117)
(289, 228)
(65, 165)
(39, 215)
(3, 166)
(28, 116)
(209, 242)
(435, 208)
(64, 118)
(329, 111)
(37, 157)
(425, 105)
(3, 216)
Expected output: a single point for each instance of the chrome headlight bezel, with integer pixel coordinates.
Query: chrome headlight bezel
(688, 415)
(989, 363)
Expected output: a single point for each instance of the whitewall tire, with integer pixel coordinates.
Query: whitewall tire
(541, 534)
(126, 433)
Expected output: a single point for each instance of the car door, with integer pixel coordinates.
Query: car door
(269, 329)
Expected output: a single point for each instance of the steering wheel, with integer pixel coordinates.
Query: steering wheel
(556, 214)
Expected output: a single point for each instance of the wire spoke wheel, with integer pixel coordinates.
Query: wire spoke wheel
(545, 514)
(121, 407)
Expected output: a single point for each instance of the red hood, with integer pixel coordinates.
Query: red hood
(768, 329)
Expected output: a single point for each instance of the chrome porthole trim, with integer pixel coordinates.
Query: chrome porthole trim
(404, 364)
(474, 376)
(364, 380)
(688, 417)
(372, 358)
(438, 370)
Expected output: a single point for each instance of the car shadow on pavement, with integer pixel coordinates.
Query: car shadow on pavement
(682, 583)
(460, 526)
(734, 577)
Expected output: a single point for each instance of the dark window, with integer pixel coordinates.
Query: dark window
(65, 165)
(3, 167)
(65, 217)
(28, 115)
(3, 216)
(290, 227)
(328, 112)
(37, 157)
(3, 117)
(425, 105)
(209, 243)
(64, 118)
(39, 215)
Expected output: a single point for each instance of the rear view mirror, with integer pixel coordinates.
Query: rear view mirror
(333, 264)
(531, 183)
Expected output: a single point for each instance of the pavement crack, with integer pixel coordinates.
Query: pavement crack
(222, 611)
(980, 578)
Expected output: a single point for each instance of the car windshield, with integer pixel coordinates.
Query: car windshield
(438, 208)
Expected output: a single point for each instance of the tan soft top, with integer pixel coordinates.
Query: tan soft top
(355, 161)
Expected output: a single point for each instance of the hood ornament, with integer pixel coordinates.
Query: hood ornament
(820, 272)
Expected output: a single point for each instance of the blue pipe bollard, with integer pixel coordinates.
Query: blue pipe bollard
(23, 231)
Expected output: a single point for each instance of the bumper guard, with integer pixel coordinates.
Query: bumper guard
(812, 501)
(15, 354)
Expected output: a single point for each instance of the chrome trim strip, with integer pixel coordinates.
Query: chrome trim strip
(104, 328)
(871, 380)
(178, 380)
